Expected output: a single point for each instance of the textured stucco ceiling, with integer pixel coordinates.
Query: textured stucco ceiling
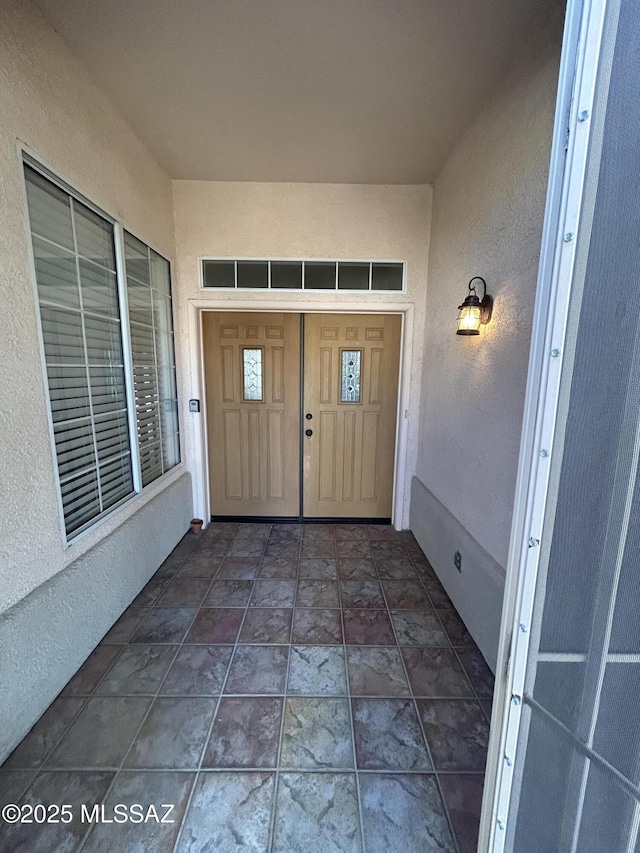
(353, 91)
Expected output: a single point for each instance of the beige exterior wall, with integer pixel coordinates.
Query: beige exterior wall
(261, 220)
(48, 105)
(488, 212)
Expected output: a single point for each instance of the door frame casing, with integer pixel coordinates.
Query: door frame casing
(196, 309)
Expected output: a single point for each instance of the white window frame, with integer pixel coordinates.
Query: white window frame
(152, 327)
(28, 159)
(236, 259)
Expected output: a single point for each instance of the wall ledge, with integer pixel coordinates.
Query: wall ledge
(477, 590)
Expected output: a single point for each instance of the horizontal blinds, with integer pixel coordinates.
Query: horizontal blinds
(74, 254)
(152, 354)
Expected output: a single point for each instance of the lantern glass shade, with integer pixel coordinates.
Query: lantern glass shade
(469, 320)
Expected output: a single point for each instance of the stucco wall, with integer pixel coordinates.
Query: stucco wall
(488, 209)
(487, 220)
(305, 221)
(48, 104)
(46, 637)
(57, 601)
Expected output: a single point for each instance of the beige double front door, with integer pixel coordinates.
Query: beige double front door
(301, 413)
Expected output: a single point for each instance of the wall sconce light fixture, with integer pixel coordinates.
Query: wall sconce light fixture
(474, 312)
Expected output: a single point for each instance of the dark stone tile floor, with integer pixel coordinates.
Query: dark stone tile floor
(285, 688)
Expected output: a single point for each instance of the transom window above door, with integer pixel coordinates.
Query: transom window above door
(377, 276)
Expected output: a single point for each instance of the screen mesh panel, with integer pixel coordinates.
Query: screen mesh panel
(578, 766)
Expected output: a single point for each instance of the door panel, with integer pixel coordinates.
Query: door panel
(351, 365)
(252, 367)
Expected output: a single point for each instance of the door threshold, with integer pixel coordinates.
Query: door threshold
(278, 519)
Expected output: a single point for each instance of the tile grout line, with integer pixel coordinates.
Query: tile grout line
(283, 607)
(417, 713)
(350, 707)
(276, 783)
(207, 738)
(83, 841)
(43, 766)
(116, 771)
(331, 769)
(453, 648)
(153, 698)
(446, 633)
(444, 697)
(476, 695)
(412, 696)
(364, 771)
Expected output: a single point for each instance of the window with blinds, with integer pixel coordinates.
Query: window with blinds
(152, 352)
(85, 342)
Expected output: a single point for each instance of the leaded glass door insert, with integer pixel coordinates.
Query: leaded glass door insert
(351, 376)
(252, 374)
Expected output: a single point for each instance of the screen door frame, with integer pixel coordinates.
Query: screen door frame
(574, 133)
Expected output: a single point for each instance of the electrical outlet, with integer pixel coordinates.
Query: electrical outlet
(457, 561)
